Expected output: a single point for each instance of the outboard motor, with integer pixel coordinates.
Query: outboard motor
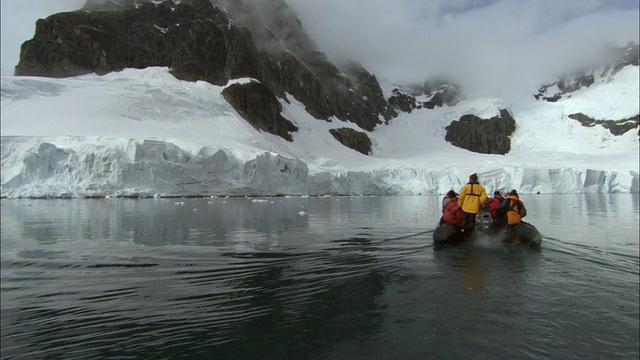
(484, 221)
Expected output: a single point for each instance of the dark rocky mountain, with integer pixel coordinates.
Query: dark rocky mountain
(200, 41)
(221, 40)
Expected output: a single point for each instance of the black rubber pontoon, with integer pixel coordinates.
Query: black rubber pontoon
(447, 233)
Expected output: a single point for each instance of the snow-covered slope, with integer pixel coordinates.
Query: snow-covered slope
(144, 133)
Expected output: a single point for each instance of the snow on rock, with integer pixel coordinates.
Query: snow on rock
(144, 133)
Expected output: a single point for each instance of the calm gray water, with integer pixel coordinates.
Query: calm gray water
(314, 278)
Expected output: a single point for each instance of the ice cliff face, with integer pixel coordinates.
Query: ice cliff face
(154, 168)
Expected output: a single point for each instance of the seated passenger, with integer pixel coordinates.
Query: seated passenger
(494, 202)
(452, 213)
(450, 195)
(513, 208)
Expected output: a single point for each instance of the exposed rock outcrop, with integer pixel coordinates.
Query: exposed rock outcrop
(257, 104)
(486, 136)
(200, 41)
(428, 96)
(615, 127)
(353, 139)
(310, 77)
(194, 39)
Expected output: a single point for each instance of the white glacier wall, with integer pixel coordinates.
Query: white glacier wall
(141, 132)
(35, 167)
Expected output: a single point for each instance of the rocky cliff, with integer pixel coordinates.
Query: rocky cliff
(212, 41)
(485, 136)
(221, 40)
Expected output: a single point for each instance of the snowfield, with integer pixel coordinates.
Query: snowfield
(145, 133)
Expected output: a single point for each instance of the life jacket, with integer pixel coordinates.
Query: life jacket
(452, 212)
(515, 210)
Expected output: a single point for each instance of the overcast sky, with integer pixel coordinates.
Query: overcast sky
(490, 47)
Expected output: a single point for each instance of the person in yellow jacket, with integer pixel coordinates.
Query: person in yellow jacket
(472, 197)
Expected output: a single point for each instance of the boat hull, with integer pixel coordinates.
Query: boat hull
(523, 233)
(447, 233)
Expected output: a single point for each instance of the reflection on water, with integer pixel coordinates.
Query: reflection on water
(314, 278)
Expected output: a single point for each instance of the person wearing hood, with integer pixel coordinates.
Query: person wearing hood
(448, 197)
(494, 202)
(514, 209)
(472, 197)
(451, 212)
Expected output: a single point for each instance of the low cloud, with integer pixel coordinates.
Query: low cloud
(491, 48)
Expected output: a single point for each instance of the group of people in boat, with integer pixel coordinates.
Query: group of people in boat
(462, 208)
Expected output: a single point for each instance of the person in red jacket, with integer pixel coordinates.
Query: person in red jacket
(452, 213)
(450, 195)
(494, 202)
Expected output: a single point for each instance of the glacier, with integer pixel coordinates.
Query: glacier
(143, 133)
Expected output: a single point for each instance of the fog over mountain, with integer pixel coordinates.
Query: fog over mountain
(490, 47)
(321, 98)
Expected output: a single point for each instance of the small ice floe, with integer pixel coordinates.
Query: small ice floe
(260, 200)
(196, 209)
(181, 203)
(302, 212)
(209, 202)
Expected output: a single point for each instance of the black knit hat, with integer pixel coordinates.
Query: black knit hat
(473, 176)
(452, 193)
(514, 192)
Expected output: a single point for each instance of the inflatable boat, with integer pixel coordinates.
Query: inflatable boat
(523, 233)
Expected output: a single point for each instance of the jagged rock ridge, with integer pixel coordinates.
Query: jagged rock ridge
(428, 96)
(565, 86)
(615, 127)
